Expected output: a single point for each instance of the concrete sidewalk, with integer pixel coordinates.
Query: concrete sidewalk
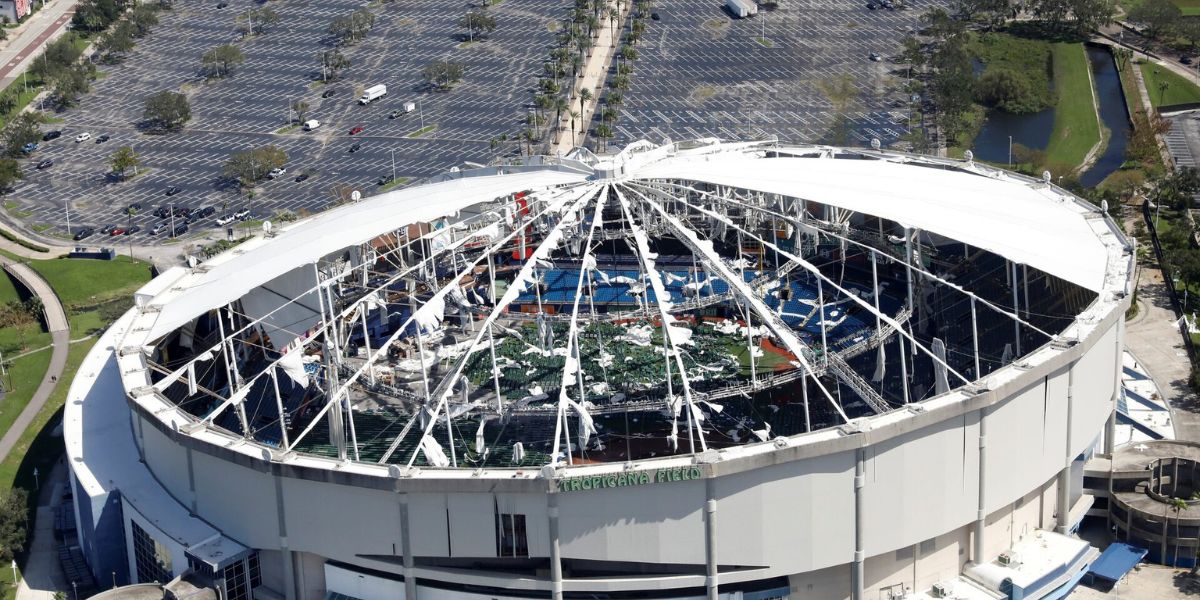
(42, 576)
(41, 28)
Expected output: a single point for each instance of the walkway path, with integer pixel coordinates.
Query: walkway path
(1153, 337)
(594, 73)
(60, 334)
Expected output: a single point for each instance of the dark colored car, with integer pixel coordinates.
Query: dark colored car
(171, 191)
(50, 135)
(133, 230)
(355, 148)
(180, 230)
(84, 233)
(207, 211)
(107, 229)
(222, 4)
(301, 177)
(102, 139)
(654, 16)
(384, 180)
(162, 212)
(329, 92)
(1187, 60)
(134, 206)
(45, 164)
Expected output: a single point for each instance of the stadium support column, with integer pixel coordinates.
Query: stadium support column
(556, 576)
(858, 589)
(410, 578)
(981, 508)
(1110, 428)
(1016, 313)
(1064, 476)
(285, 554)
(710, 538)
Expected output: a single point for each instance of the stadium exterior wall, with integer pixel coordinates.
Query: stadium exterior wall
(790, 511)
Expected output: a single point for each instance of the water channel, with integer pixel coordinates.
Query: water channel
(1033, 130)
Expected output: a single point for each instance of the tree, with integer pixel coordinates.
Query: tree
(13, 517)
(352, 28)
(300, 107)
(167, 110)
(124, 159)
(1092, 14)
(252, 166)
(842, 93)
(603, 132)
(58, 55)
(118, 39)
(96, 15)
(220, 61)
(1008, 91)
(1189, 29)
(585, 96)
(332, 61)
(16, 316)
(10, 173)
(70, 84)
(142, 18)
(477, 23)
(1156, 16)
(442, 74)
(258, 20)
(20, 130)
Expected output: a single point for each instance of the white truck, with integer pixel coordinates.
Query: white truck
(742, 8)
(373, 93)
(311, 124)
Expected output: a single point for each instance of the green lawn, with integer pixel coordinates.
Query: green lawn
(83, 282)
(1189, 8)
(8, 290)
(1076, 129)
(1167, 88)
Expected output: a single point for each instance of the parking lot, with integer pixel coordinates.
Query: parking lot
(700, 72)
(250, 109)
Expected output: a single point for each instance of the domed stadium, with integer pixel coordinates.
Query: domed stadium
(695, 369)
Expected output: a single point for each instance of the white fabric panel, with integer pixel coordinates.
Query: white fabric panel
(305, 242)
(427, 519)
(288, 322)
(1018, 222)
(472, 525)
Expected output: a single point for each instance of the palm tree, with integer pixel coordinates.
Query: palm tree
(574, 115)
(560, 104)
(1177, 505)
(603, 132)
(585, 95)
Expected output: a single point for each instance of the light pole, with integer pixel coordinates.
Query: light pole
(1010, 151)
(37, 484)
(67, 205)
(393, 151)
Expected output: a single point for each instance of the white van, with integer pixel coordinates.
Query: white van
(311, 124)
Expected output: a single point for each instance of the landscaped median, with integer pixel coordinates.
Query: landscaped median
(1167, 87)
(1076, 126)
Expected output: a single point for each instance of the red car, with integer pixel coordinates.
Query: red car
(356, 130)
(117, 231)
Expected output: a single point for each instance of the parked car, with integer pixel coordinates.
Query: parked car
(172, 190)
(1187, 60)
(301, 177)
(276, 172)
(384, 179)
(84, 233)
(102, 139)
(157, 229)
(133, 229)
(225, 220)
(180, 230)
(45, 164)
(875, 57)
(222, 5)
(329, 92)
(242, 215)
(133, 206)
(51, 135)
(206, 212)
(28, 148)
(83, 137)
(357, 129)
(107, 229)
(654, 16)
(355, 148)
(116, 231)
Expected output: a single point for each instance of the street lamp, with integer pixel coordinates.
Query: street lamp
(1010, 151)
(393, 151)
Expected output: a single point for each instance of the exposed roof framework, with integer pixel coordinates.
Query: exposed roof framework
(581, 303)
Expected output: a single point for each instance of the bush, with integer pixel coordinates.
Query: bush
(1009, 91)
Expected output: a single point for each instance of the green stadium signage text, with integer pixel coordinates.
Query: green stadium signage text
(616, 480)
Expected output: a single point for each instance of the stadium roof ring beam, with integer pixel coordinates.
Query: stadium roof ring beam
(670, 300)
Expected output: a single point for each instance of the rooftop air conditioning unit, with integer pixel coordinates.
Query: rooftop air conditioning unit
(940, 590)
(1008, 559)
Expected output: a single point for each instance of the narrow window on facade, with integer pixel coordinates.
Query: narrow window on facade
(510, 535)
